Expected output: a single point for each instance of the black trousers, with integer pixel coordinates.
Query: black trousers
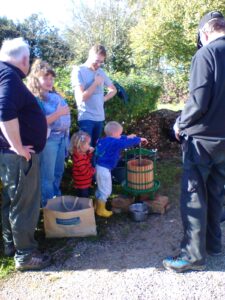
(202, 197)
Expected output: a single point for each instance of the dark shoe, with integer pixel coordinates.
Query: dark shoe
(9, 250)
(223, 215)
(212, 253)
(36, 261)
(180, 265)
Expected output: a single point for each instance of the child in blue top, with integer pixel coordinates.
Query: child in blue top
(108, 152)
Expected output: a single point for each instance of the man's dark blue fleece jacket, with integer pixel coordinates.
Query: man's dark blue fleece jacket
(17, 102)
(203, 116)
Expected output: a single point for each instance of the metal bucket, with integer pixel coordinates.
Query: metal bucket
(139, 211)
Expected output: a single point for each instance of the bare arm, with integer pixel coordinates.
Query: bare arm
(83, 95)
(111, 92)
(11, 132)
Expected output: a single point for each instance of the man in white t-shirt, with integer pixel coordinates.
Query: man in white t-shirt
(89, 81)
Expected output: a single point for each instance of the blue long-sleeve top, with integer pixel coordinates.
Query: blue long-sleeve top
(108, 149)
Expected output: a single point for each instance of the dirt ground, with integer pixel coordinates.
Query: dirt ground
(124, 262)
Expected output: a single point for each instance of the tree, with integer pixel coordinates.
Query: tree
(107, 23)
(167, 29)
(45, 41)
(7, 29)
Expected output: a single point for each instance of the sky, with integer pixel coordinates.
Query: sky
(57, 12)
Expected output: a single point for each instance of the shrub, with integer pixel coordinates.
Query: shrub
(175, 88)
(63, 86)
(143, 95)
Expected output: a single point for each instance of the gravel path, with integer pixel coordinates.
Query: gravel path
(125, 263)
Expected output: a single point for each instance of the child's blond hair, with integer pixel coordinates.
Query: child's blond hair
(112, 127)
(77, 140)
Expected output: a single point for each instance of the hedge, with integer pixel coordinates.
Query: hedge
(142, 97)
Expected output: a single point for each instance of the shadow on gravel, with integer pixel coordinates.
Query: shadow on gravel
(122, 244)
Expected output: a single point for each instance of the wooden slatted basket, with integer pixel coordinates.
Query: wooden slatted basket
(140, 175)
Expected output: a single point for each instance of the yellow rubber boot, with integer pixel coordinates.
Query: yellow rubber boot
(102, 211)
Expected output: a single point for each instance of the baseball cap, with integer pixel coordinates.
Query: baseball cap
(205, 19)
(209, 16)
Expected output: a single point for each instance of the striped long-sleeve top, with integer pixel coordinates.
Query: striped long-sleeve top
(83, 170)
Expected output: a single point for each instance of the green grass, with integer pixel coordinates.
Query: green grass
(171, 106)
(6, 266)
(169, 173)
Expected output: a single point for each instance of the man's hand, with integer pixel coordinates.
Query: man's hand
(11, 131)
(176, 131)
(25, 151)
(99, 80)
(111, 92)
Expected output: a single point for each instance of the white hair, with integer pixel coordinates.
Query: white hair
(112, 127)
(14, 49)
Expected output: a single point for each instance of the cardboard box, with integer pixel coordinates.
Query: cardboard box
(69, 216)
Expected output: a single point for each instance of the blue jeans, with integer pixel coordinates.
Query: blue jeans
(20, 202)
(201, 200)
(52, 161)
(93, 128)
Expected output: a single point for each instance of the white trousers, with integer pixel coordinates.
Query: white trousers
(104, 183)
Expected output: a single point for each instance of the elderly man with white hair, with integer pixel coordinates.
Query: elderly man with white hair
(22, 136)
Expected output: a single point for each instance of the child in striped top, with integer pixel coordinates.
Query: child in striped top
(82, 170)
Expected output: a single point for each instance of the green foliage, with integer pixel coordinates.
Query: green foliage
(108, 23)
(7, 29)
(167, 29)
(6, 266)
(45, 41)
(143, 95)
(164, 41)
(175, 88)
(63, 86)
(63, 82)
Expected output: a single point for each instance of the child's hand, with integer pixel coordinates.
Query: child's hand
(144, 140)
(91, 149)
(131, 136)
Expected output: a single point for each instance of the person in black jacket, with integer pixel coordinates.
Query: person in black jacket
(201, 126)
(22, 136)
